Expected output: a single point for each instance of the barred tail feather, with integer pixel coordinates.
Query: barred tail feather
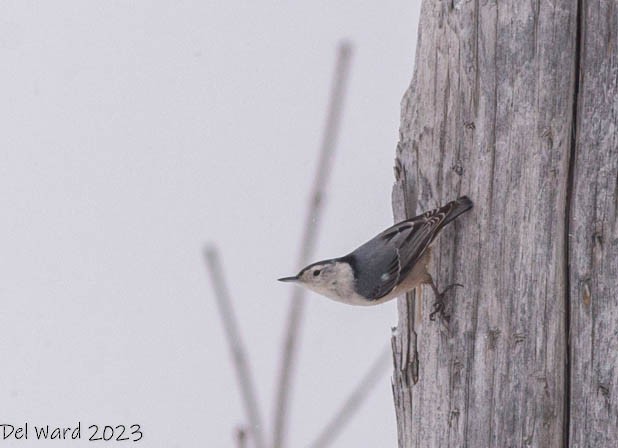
(455, 208)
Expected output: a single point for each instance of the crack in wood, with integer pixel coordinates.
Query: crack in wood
(579, 36)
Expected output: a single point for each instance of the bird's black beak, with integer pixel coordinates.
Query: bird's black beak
(288, 279)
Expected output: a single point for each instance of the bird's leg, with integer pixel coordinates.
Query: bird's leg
(438, 305)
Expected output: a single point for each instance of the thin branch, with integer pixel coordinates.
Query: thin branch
(354, 401)
(241, 437)
(236, 346)
(308, 242)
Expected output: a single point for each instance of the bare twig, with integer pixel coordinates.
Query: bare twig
(308, 241)
(354, 401)
(241, 437)
(237, 348)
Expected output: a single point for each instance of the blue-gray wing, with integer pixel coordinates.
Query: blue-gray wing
(383, 261)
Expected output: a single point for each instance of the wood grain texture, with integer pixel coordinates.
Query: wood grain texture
(593, 243)
(489, 114)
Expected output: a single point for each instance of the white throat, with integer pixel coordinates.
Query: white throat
(339, 285)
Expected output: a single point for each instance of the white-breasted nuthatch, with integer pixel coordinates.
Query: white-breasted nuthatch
(389, 265)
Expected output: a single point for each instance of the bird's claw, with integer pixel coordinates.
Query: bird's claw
(438, 308)
(438, 305)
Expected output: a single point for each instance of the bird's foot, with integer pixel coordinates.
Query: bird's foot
(439, 305)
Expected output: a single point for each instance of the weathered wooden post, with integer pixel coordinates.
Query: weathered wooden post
(514, 103)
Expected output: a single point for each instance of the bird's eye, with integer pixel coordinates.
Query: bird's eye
(316, 272)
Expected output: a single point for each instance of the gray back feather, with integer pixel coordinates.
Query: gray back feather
(382, 262)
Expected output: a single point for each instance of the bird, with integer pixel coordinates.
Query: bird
(389, 265)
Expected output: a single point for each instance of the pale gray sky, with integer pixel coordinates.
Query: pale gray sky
(132, 133)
